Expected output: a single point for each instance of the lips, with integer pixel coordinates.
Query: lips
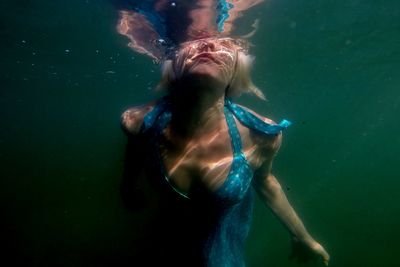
(205, 55)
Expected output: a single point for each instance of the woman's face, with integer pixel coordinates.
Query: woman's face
(210, 58)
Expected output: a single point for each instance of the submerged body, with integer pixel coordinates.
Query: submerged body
(202, 156)
(217, 211)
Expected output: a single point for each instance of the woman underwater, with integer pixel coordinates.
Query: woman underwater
(199, 156)
(202, 153)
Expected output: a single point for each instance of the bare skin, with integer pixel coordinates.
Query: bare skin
(196, 147)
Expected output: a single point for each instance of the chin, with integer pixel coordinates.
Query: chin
(201, 82)
(201, 76)
(206, 70)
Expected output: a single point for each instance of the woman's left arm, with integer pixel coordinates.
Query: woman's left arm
(272, 195)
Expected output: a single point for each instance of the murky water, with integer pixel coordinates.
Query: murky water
(331, 67)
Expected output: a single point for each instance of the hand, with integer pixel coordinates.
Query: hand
(308, 251)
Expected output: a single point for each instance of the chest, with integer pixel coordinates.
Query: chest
(206, 163)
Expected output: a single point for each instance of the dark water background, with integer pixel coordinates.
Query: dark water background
(332, 67)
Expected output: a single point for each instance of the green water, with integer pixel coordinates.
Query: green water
(331, 67)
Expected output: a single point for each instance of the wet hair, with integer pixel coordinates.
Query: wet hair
(241, 81)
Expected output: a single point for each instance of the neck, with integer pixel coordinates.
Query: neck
(196, 110)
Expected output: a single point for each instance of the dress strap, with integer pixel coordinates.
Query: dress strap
(253, 122)
(236, 141)
(151, 117)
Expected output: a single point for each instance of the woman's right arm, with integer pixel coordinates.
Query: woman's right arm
(132, 196)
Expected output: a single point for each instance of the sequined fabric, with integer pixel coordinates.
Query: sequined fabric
(210, 228)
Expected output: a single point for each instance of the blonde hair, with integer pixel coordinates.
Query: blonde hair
(241, 81)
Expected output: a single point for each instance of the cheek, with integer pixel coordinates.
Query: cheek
(229, 63)
(180, 63)
(228, 60)
(226, 57)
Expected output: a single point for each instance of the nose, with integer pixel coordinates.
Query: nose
(206, 46)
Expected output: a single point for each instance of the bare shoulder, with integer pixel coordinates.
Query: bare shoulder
(269, 144)
(265, 119)
(132, 118)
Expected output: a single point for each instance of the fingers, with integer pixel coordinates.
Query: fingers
(325, 256)
(326, 261)
(320, 250)
(304, 252)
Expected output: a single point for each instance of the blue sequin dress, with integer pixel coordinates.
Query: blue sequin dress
(209, 228)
